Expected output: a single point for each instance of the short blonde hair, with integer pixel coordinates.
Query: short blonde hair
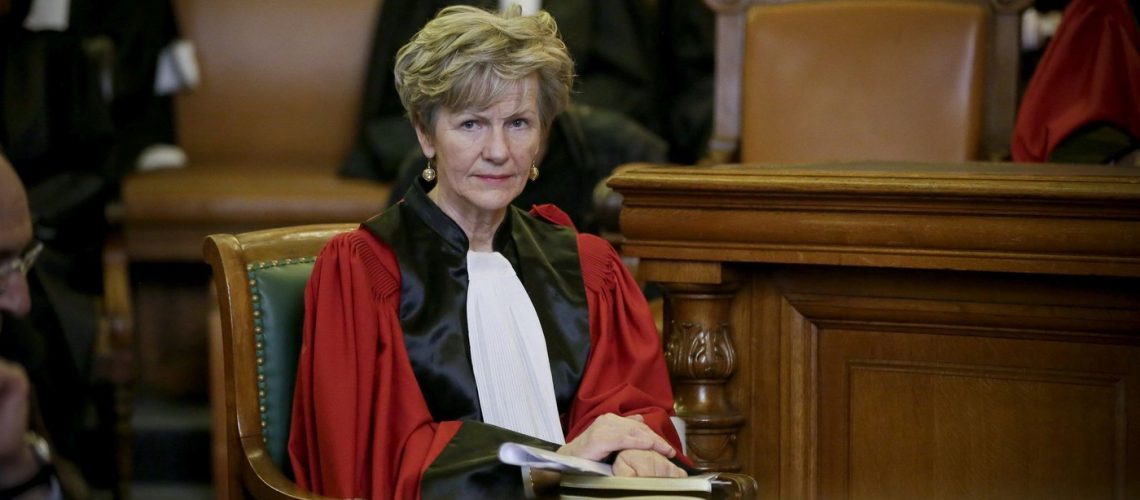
(468, 57)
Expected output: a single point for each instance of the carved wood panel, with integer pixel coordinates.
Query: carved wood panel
(937, 430)
(953, 385)
(878, 298)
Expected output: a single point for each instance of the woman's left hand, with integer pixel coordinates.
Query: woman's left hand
(609, 433)
(645, 463)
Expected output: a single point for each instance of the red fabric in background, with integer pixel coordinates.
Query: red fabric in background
(1090, 73)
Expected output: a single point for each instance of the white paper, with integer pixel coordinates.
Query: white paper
(538, 458)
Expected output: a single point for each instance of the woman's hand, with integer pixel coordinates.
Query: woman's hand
(610, 433)
(643, 463)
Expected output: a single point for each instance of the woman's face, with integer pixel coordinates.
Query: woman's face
(483, 156)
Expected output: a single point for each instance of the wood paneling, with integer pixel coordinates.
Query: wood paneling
(962, 331)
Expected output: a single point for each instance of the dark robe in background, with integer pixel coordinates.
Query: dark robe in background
(687, 64)
(650, 62)
(139, 31)
(1083, 103)
(386, 404)
(56, 131)
(67, 127)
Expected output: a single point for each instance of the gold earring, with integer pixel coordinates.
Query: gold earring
(533, 171)
(429, 172)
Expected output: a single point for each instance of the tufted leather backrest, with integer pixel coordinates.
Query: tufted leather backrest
(866, 80)
(260, 279)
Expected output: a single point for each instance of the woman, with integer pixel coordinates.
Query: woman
(452, 323)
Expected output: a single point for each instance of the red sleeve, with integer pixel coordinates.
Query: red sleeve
(361, 427)
(553, 214)
(626, 372)
(1090, 73)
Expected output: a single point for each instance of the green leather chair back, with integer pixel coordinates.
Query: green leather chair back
(278, 294)
(260, 279)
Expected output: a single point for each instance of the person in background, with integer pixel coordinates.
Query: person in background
(454, 322)
(1083, 103)
(27, 468)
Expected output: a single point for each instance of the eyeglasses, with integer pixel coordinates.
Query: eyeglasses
(21, 263)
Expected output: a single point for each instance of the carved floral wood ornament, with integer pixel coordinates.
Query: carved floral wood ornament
(701, 361)
(699, 352)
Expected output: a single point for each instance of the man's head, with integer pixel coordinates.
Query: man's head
(15, 242)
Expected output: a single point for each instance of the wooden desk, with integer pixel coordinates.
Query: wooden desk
(901, 330)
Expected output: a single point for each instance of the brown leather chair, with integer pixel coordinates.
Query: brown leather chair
(260, 279)
(839, 80)
(265, 131)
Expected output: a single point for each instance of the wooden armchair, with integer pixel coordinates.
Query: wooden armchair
(838, 80)
(260, 279)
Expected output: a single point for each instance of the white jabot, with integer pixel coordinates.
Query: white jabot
(508, 351)
(529, 7)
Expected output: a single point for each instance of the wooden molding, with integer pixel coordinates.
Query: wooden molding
(884, 330)
(978, 217)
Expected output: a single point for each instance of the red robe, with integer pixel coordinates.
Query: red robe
(1089, 74)
(360, 425)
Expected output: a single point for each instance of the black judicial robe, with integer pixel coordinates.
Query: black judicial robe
(386, 404)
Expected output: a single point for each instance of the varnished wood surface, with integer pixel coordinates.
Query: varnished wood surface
(997, 217)
(908, 330)
(167, 214)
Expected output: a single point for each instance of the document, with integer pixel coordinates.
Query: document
(538, 458)
(582, 478)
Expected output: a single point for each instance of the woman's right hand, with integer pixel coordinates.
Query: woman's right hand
(611, 433)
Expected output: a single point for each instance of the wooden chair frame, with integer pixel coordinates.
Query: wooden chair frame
(250, 470)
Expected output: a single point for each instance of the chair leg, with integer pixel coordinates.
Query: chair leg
(115, 356)
(224, 487)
